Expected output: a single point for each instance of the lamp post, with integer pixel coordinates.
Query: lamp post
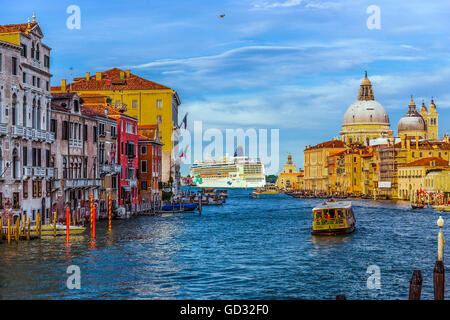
(439, 274)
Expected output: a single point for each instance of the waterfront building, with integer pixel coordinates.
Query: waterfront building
(25, 140)
(150, 102)
(365, 119)
(150, 168)
(74, 156)
(316, 164)
(109, 168)
(411, 176)
(290, 178)
(127, 142)
(437, 180)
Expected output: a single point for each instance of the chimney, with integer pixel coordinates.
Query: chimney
(122, 75)
(88, 76)
(128, 73)
(417, 142)
(98, 76)
(63, 84)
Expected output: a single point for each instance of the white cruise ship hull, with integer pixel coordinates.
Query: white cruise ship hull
(230, 183)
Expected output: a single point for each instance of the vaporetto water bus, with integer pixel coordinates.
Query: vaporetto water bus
(229, 172)
(333, 217)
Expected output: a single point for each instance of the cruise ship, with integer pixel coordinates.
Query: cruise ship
(229, 172)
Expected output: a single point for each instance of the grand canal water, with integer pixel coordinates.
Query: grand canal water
(245, 249)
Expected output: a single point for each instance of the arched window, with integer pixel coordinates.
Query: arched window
(38, 115)
(33, 114)
(38, 53)
(64, 168)
(13, 110)
(1, 164)
(24, 112)
(15, 164)
(32, 50)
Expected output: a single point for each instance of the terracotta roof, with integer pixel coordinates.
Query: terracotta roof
(328, 144)
(22, 27)
(111, 80)
(87, 111)
(62, 95)
(58, 107)
(427, 162)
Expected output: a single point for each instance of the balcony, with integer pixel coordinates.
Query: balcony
(116, 168)
(82, 183)
(18, 131)
(51, 172)
(75, 143)
(132, 183)
(27, 172)
(3, 129)
(105, 168)
(50, 137)
(39, 172)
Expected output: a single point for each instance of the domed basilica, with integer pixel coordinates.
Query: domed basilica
(366, 119)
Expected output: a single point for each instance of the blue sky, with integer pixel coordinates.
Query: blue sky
(288, 64)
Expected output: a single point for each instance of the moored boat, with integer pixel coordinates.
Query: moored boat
(254, 195)
(333, 217)
(417, 205)
(180, 207)
(49, 230)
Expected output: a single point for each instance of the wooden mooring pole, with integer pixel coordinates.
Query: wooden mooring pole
(415, 285)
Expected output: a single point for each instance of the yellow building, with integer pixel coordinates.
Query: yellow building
(290, 178)
(411, 176)
(316, 164)
(365, 119)
(438, 180)
(150, 102)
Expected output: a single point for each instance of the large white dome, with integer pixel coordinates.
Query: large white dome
(366, 112)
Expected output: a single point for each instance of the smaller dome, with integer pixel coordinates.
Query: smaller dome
(412, 120)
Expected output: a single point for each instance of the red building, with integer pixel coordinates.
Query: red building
(127, 146)
(150, 165)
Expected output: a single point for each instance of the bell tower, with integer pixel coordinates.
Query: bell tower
(432, 123)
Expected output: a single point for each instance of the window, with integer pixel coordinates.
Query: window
(144, 166)
(14, 66)
(54, 127)
(38, 82)
(24, 77)
(95, 134)
(46, 61)
(158, 119)
(48, 188)
(143, 149)
(24, 50)
(76, 106)
(47, 86)
(113, 132)
(134, 104)
(34, 189)
(85, 133)
(65, 130)
(143, 185)
(25, 189)
(25, 156)
(1, 62)
(16, 204)
(159, 104)
(34, 80)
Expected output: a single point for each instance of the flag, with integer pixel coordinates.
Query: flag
(184, 152)
(185, 121)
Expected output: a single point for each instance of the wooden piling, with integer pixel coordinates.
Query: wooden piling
(54, 222)
(1, 229)
(109, 212)
(415, 285)
(28, 228)
(17, 230)
(38, 224)
(9, 230)
(439, 280)
(341, 297)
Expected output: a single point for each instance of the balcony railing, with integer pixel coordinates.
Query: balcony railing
(27, 172)
(75, 143)
(132, 183)
(50, 172)
(82, 183)
(3, 129)
(39, 172)
(105, 168)
(18, 131)
(117, 168)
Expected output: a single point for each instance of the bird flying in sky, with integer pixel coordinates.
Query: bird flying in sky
(221, 16)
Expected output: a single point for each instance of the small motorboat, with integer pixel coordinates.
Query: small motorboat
(254, 195)
(267, 190)
(417, 205)
(333, 217)
(222, 193)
